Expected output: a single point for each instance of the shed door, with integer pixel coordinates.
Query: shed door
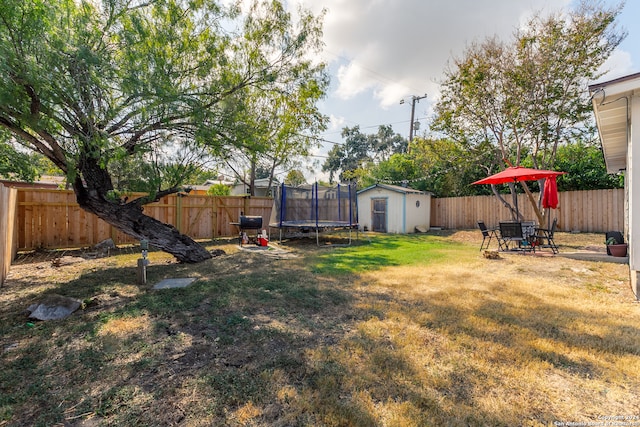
(379, 215)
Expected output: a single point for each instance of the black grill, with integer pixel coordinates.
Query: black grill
(247, 222)
(250, 222)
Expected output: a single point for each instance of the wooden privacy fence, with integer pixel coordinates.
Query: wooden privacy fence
(45, 218)
(8, 236)
(53, 219)
(595, 211)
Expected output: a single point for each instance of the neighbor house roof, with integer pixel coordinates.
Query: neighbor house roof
(394, 188)
(45, 181)
(611, 106)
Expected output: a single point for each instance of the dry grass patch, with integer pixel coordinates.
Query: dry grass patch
(512, 341)
(395, 331)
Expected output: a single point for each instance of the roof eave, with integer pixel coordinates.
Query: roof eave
(611, 110)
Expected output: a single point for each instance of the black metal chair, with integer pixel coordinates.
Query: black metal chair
(511, 237)
(487, 235)
(546, 235)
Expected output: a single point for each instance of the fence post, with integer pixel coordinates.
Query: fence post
(214, 216)
(178, 212)
(8, 229)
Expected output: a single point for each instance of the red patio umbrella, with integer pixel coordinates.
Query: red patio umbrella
(517, 174)
(550, 197)
(550, 193)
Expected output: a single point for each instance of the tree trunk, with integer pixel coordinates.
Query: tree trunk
(534, 204)
(129, 219)
(252, 178)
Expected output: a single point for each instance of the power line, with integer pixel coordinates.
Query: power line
(375, 126)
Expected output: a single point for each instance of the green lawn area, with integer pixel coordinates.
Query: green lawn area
(391, 331)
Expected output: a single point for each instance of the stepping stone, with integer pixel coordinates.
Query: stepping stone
(174, 283)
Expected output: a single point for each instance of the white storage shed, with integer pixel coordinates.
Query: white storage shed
(393, 209)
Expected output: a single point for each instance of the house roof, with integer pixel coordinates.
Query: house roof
(211, 182)
(45, 181)
(260, 183)
(611, 107)
(394, 188)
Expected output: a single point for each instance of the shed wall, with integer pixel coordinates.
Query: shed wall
(418, 214)
(403, 216)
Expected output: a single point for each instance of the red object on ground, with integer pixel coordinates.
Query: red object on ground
(262, 241)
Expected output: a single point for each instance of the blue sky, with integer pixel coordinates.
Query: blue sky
(382, 51)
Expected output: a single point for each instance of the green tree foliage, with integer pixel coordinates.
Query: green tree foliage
(149, 172)
(399, 169)
(527, 97)
(585, 167)
(442, 166)
(219, 190)
(352, 159)
(295, 178)
(446, 168)
(280, 134)
(90, 85)
(15, 164)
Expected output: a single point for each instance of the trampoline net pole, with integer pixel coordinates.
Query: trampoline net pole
(339, 204)
(317, 210)
(283, 205)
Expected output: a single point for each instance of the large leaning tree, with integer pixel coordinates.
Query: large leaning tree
(528, 96)
(89, 83)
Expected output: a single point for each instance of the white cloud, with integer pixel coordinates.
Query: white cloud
(380, 51)
(352, 80)
(399, 48)
(335, 123)
(619, 64)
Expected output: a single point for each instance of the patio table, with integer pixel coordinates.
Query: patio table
(520, 233)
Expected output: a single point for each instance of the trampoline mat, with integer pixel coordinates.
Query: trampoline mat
(312, 224)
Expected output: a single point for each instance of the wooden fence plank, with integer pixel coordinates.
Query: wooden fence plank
(8, 229)
(50, 218)
(588, 211)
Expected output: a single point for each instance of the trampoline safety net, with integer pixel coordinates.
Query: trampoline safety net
(315, 206)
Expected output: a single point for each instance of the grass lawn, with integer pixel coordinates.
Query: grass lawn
(392, 331)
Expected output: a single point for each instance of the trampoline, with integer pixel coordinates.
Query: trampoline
(315, 208)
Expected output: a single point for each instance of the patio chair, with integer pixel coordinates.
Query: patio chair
(546, 235)
(487, 235)
(511, 237)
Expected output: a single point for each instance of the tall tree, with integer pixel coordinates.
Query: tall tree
(384, 143)
(88, 84)
(443, 167)
(281, 132)
(348, 160)
(16, 164)
(585, 167)
(295, 177)
(527, 97)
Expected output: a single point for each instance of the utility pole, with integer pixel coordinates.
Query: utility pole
(414, 99)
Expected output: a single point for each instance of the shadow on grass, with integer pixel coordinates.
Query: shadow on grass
(259, 342)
